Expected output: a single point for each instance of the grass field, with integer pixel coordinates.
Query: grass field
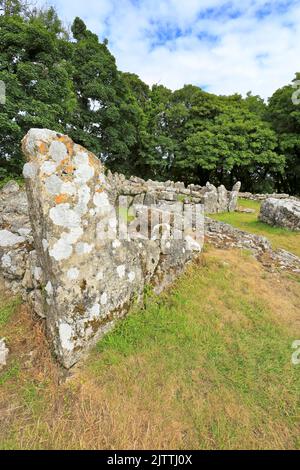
(279, 237)
(206, 365)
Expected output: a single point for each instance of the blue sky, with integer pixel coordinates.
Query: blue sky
(224, 46)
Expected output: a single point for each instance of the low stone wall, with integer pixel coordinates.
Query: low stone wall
(214, 199)
(263, 197)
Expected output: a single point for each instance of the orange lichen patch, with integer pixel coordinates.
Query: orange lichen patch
(66, 165)
(99, 190)
(69, 169)
(69, 146)
(68, 143)
(65, 161)
(42, 148)
(61, 198)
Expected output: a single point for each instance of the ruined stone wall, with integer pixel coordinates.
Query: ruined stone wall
(263, 197)
(60, 245)
(214, 199)
(82, 258)
(92, 259)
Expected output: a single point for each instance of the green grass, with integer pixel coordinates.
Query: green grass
(126, 214)
(7, 309)
(19, 180)
(208, 361)
(279, 237)
(12, 372)
(222, 346)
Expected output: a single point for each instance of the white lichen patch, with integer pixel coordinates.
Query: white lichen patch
(6, 260)
(65, 334)
(53, 185)
(99, 276)
(24, 232)
(84, 171)
(113, 223)
(94, 311)
(83, 248)
(116, 244)
(8, 238)
(58, 151)
(73, 274)
(121, 270)
(101, 202)
(45, 244)
(103, 298)
(61, 250)
(131, 276)
(37, 273)
(191, 244)
(81, 158)
(29, 170)
(84, 195)
(101, 178)
(63, 216)
(49, 288)
(48, 167)
(73, 235)
(68, 188)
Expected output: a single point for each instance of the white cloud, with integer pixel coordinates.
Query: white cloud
(223, 45)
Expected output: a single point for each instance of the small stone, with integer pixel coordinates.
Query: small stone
(4, 351)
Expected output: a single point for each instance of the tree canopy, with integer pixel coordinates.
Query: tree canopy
(68, 81)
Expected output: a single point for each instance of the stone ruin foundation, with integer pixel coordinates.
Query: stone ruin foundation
(94, 240)
(90, 262)
(84, 243)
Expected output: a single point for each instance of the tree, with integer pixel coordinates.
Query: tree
(14, 7)
(108, 118)
(39, 90)
(284, 116)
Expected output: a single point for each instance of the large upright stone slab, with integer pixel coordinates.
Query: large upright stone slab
(233, 197)
(89, 273)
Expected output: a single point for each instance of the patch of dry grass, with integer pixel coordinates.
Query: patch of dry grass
(207, 365)
(279, 237)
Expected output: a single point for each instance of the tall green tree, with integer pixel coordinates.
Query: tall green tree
(38, 80)
(284, 116)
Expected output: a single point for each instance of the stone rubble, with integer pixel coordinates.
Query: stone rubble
(263, 197)
(224, 236)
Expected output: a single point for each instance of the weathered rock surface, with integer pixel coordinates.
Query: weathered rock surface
(282, 213)
(233, 197)
(4, 351)
(89, 267)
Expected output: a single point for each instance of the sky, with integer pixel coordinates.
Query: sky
(222, 46)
